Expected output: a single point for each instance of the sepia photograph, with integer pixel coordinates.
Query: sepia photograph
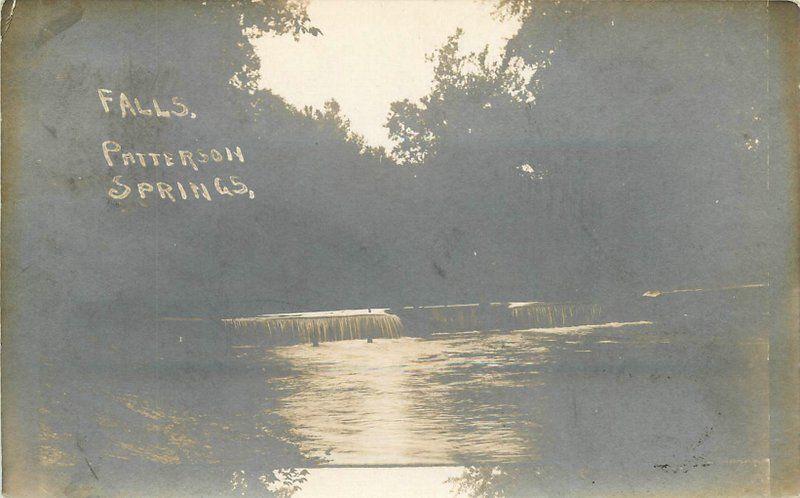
(400, 248)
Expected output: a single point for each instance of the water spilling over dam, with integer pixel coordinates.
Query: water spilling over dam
(534, 314)
(320, 326)
(424, 320)
(421, 321)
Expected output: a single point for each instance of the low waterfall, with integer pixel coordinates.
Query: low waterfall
(455, 318)
(323, 326)
(421, 321)
(424, 320)
(535, 314)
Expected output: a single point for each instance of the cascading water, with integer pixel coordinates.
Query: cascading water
(453, 318)
(535, 314)
(424, 320)
(327, 326)
(324, 326)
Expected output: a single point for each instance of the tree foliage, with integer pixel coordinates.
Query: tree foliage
(256, 18)
(472, 84)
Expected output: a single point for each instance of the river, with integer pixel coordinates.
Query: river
(611, 408)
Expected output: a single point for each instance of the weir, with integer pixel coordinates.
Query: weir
(446, 318)
(319, 326)
(535, 314)
(424, 320)
(419, 321)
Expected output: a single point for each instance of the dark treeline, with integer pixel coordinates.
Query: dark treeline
(601, 175)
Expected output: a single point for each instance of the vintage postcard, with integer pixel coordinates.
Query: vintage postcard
(410, 248)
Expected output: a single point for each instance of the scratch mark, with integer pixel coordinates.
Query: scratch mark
(85, 459)
(94, 474)
(8, 18)
(51, 131)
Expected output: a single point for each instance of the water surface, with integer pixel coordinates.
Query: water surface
(625, 397)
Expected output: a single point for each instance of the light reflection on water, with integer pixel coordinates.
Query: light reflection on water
(356, 402)
(576, 408)
(451, 399)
